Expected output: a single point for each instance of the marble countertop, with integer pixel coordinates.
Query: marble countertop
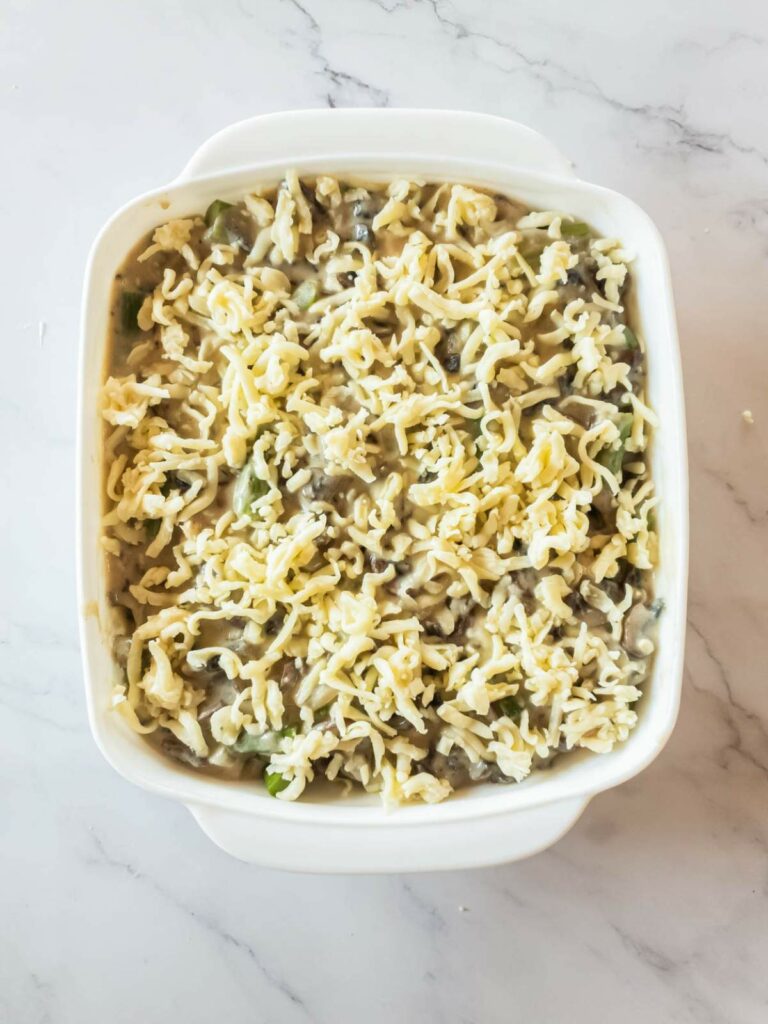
(113, 905)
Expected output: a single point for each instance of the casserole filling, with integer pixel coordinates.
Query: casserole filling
(378, 506)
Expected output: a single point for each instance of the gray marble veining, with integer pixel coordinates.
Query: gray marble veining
(113, 905)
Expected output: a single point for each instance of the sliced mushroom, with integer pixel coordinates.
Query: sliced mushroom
(579, 411)
(290, 673)
(584, 611)
(274, 623)
(581, 281)
(637, 625)
(220, 694)
(448, 352)
(454, 768)
(180, 752)
(495, 775)
(323, 487)
(375, 563)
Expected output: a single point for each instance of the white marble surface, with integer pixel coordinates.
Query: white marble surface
(113, 905)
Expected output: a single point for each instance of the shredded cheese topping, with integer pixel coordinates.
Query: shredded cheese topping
(378, 499)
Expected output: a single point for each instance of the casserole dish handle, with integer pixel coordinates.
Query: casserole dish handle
(396, 846)
(295, 136)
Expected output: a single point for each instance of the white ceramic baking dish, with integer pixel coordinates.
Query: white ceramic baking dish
(487, 824)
